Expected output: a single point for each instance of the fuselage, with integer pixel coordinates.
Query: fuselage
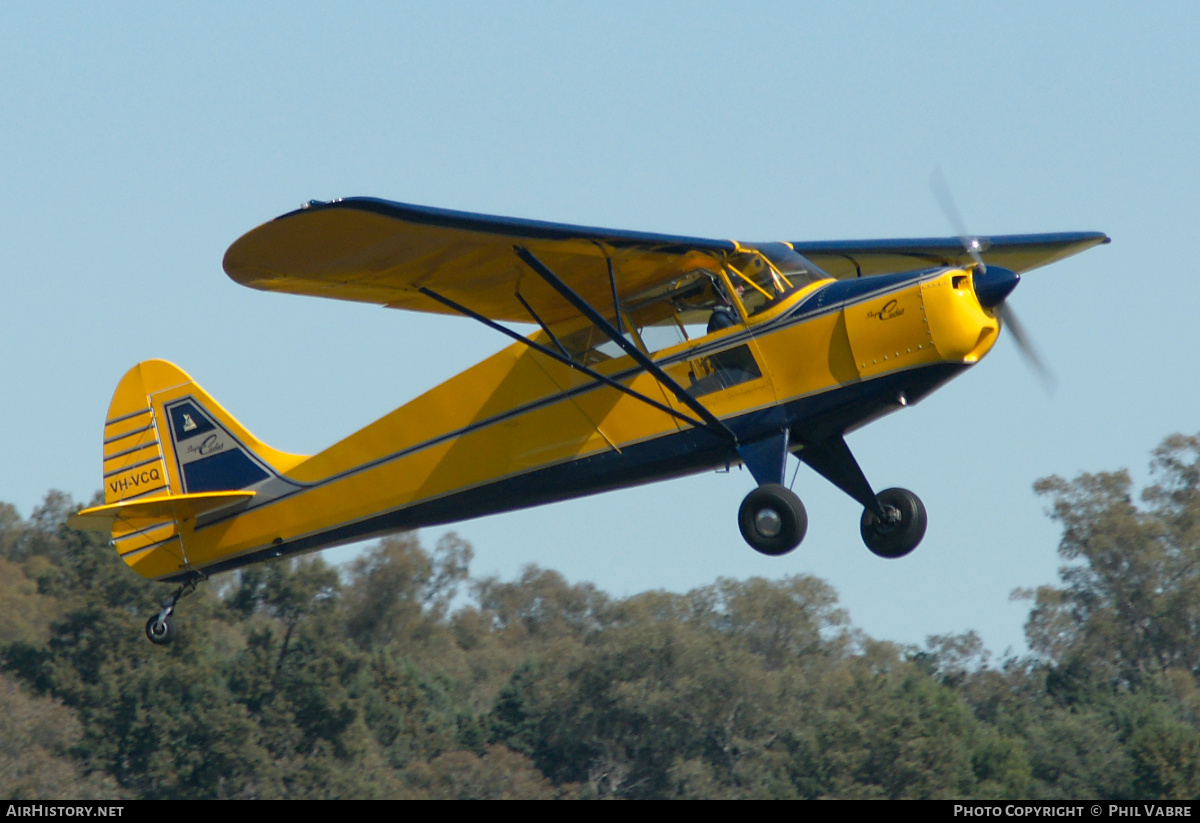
(519, 429)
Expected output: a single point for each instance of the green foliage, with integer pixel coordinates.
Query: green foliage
(398, 590)
(497, 774)
(36, 742)
(296, 680)
(1130, 600)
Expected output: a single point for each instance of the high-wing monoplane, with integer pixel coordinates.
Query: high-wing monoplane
(653, 356)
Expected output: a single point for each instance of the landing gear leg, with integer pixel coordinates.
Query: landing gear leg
(772, 518)
(893, 522)
(160, 628)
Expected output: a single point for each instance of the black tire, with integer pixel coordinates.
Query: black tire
(894, 540)
(772, 519)
(160, 632)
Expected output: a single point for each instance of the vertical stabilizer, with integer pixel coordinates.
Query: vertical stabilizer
(173, 454)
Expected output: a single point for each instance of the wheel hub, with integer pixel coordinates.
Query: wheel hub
(768, 522)
(772, 519)
(893, 521)
(898, 528)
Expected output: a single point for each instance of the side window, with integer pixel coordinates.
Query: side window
(589, 345)
(723, 370)
(688, 308)
(691, 308)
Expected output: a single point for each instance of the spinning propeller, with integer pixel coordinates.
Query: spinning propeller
(992, 285)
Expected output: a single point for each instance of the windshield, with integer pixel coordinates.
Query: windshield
(769, 271)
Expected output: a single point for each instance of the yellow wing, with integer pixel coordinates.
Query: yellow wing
(376, 251)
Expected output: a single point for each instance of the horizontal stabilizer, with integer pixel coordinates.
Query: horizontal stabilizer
(178, 507)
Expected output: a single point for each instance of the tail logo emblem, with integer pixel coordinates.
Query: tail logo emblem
(188, 423)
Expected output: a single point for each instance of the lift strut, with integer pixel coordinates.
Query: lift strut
(711, 422)
(556, 356)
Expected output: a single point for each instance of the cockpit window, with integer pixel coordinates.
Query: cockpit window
(589, 345)
(677, 310)
(662, 316)
(697, 302)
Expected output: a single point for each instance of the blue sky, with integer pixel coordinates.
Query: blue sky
(139, 141)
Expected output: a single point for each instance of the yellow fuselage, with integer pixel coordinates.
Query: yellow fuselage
(520, 429)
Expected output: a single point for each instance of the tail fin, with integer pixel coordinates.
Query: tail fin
(171, 454)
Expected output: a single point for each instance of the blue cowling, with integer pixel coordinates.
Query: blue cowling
(995, 284)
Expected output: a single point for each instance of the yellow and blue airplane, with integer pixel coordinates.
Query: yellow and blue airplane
(655, 356)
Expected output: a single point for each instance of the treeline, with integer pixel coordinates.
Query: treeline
(402, 676)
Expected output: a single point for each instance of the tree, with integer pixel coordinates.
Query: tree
(499, 774)
(1129, 604)
(398, 590)
(36, 742)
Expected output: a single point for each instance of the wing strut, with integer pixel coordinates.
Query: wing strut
(712, 423)
(553, 355)
(612, 281)
(545, 328)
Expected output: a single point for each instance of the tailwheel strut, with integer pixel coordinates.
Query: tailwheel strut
(160, 628)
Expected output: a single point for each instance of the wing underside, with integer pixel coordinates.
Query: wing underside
(385, 253)
(376, 251)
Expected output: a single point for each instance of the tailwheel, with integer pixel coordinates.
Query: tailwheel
(160, 630)
(772, 519)
(904, 528)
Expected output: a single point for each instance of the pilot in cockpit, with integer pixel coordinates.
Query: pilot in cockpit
(725, 314)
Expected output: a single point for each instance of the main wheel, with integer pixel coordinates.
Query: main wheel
(160, 632)
(895, 538)
(772, 519)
